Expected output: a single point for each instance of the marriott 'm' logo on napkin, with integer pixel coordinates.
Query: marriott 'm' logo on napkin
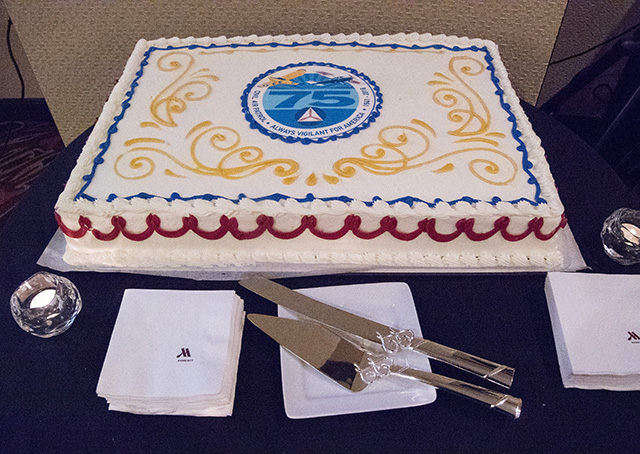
(633, 337)
(185, 355)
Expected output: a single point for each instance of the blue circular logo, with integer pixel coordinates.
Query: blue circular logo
(311, 102)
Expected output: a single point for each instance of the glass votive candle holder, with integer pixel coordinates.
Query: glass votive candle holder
(621, 236)
(45, 305)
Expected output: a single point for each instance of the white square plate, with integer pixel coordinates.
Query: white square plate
(308, 393)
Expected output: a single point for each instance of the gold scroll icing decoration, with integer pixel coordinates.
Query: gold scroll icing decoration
(472, 118)
(402, 147)
(213, 150)
(190, 84)
(399, 148)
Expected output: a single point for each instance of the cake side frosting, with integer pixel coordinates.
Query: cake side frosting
(141, 214)
(309, 250)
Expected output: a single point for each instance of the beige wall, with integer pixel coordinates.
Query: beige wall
(9, 81)
(78, 48)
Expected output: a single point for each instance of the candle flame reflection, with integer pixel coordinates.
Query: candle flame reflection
(42, 298)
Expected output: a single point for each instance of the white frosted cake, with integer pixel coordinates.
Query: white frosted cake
(402, 151)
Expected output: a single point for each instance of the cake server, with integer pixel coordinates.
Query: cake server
(356, 368)
(392, 340)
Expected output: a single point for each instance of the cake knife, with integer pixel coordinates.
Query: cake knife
(392, 339)
(356, 368)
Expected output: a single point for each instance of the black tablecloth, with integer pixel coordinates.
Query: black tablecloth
(47, 386)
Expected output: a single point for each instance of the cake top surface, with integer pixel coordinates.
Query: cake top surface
(406, 119)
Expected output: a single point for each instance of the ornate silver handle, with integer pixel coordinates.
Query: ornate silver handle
(494, 372)
(496, 400)
(397, 341)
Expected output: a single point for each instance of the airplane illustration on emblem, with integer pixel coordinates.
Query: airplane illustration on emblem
(289, 79)
(286, 80)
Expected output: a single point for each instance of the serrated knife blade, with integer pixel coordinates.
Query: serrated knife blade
(391, 338)
(355, 368)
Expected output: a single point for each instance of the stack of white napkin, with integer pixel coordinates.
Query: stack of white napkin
(174, 352)
(596, 326)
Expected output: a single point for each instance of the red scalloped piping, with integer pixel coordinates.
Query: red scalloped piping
(307, 222)
(111, 235)
(85, 225)
(351, 223)
(429, 227)
(231, 224)
(191, 223)
(542, 236)
(154, 220)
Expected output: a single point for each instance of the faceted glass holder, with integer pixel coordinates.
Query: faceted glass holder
(45, 305)
(621, 236)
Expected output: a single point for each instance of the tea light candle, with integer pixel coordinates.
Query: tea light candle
(621, 236)
(45, 305)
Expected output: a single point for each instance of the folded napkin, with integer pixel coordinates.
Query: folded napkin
(174, 352)
(596, 326)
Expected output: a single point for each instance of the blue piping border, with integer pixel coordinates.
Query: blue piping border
(526, 164)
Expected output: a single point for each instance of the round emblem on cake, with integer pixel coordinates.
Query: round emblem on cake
(311, 102)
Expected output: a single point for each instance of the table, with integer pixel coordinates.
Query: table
(48, 401)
